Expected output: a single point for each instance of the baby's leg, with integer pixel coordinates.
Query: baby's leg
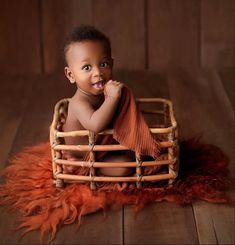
(68, 169)
(120, 171)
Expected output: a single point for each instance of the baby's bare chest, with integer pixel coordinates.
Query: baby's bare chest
(73, 124)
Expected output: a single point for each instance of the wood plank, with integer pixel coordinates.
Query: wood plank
(59, 18)
(160, 223)
(144, 83)
(95, 229)
(34, 128)
(208, 103)
(14, 93)
(215, 223)
(19, 43)
(227, 77)
(123, 22)
(217, 33)
(209, 112)
(173, 33)
(9, 221)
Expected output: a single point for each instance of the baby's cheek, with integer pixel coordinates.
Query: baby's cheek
(109, 74)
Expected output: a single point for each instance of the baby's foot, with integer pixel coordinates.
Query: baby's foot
(69, 169)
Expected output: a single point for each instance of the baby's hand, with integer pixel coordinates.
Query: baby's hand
(113, 89)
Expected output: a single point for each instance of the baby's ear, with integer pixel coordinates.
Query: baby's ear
(69, 74)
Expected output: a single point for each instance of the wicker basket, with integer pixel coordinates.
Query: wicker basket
(168, 129)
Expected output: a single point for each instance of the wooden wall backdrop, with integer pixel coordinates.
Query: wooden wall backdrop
(145, 34)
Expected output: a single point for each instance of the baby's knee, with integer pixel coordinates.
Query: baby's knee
(117, 171)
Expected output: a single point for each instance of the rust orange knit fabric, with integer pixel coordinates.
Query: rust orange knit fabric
(130, 128)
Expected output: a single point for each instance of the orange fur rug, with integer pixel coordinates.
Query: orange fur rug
(29, 188)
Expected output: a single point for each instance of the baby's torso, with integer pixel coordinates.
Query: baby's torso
(73, 124)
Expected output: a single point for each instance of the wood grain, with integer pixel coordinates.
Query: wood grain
(227, 77)
(59, 18)
(173, 33)
(160, 223)
(144, 83)
(202, 105)
(14, 97)
(95, 229)
(20, 37)
(217, 33)
(215, 223)
(149, 34)
(123, 22)
(14, 93)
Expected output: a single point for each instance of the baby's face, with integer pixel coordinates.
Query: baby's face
(89, 66)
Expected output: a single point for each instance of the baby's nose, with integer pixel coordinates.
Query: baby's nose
(97, 71)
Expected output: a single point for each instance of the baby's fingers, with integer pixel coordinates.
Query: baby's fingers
(117, 82)
(110, 81)
(121, 85)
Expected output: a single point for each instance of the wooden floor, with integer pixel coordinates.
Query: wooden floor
(203, 101)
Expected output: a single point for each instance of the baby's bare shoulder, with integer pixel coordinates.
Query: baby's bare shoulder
(79, 104)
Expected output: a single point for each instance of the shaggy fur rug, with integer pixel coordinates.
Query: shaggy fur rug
(29, 188)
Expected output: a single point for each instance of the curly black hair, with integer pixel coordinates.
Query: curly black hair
(87, 33)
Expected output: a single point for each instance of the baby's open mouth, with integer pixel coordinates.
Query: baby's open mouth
(99, 84)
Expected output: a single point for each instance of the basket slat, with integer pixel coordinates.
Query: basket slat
(157, 177)
(112, 164)
(103, 147)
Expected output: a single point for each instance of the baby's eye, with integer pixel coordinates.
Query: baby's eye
(86, 67)
(104, 64)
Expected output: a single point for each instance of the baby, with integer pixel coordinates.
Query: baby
(89, 65)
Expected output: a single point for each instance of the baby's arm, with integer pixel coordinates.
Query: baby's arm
(98, 120)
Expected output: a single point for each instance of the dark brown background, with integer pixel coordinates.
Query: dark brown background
(145, 34)
(177, 49)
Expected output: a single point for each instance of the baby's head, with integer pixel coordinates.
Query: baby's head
(88, 59)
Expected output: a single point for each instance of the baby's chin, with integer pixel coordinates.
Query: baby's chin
(98, 91)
